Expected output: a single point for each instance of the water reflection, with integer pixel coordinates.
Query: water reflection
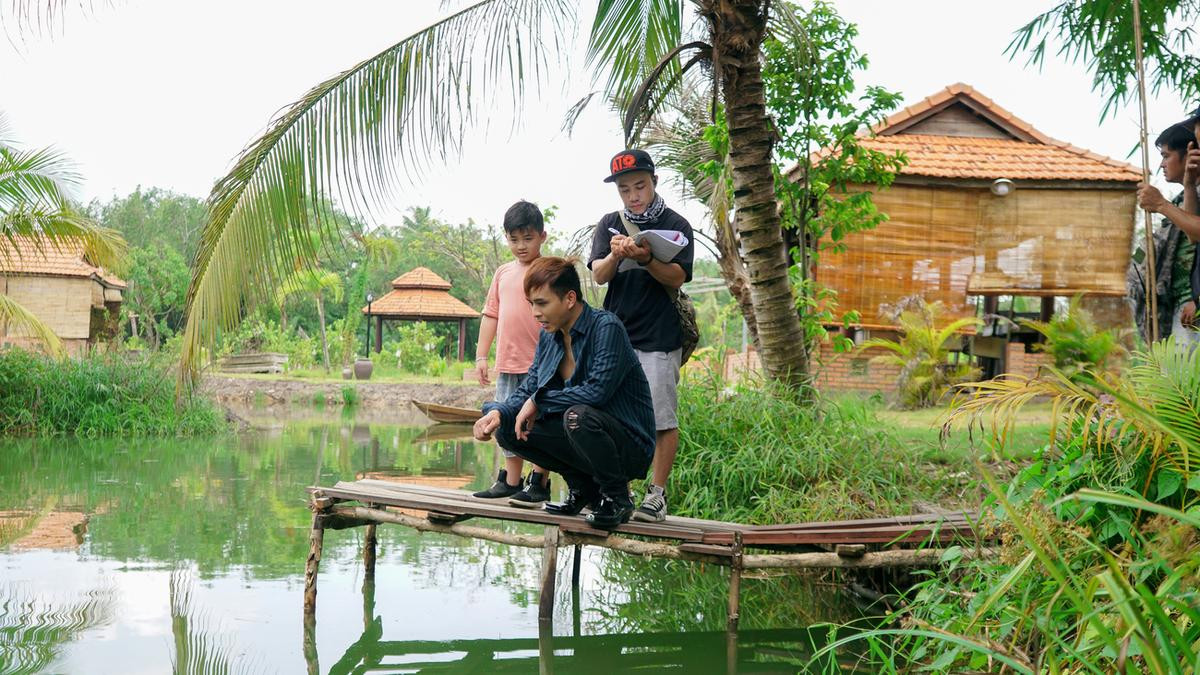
(121, 556)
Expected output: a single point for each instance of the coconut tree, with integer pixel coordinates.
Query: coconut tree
(359, 133)
(315, 284)
(36, 215)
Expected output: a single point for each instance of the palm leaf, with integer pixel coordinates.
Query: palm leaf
(628, 37)
(353, 137)
(13, 315)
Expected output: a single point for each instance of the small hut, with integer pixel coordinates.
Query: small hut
(987, 206)
(420, 295)
(79, 301)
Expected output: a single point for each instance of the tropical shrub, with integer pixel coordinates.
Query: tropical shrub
(257, 335)
(923, 354)
(1075, 342)
(418, 348)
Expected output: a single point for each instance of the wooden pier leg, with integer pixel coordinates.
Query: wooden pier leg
(545, 648)
(576, 609)
(316, 541)
(735, 583)
(549, 568)
(313, 665)
(369, 553)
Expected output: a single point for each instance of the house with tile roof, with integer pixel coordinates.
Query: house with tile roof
(987, 206)
(55, 281)
(420, 295)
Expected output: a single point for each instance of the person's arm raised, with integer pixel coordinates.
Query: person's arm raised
(1151, 199)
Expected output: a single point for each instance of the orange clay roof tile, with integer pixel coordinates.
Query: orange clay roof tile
(420, 277)
(421, 294)
(26, 256)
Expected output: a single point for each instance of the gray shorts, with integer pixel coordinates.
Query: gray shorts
(506, 384)
(662, 371)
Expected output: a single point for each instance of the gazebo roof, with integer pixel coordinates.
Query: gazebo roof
(421, 277)
(25, 256)
(420, 295)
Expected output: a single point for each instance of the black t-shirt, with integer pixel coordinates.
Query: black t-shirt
(638, 299)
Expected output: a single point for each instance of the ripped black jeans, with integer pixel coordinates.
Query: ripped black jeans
(586, 446)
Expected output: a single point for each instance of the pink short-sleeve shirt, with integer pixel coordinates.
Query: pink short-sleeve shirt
(516, 330)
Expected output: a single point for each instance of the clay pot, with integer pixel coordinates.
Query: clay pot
(363, 368)
(347, 373)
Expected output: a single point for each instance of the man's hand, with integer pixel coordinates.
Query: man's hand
(1149, 198)
(1187, 317)
(525, 419)
(1191, 166)
(486, 426)
(481, 370)
(617, 245)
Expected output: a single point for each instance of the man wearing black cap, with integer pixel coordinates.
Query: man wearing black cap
(1185, 216)
(642, 296)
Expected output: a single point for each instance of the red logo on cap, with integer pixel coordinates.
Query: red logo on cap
(622, 162)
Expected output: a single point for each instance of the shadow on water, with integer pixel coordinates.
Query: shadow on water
(187, 555)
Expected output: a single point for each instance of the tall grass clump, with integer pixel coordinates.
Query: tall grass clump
(760, 454)
(1099, 568)
(96, 396)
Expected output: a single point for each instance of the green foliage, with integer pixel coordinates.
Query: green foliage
(418, 349)
(350, 395)
(1100, 34)
(257, 335)
(158, 277)
(922, 353)
(154, 217)
(1075, 342)
(809, 76)
(760, 454)
(96, 396)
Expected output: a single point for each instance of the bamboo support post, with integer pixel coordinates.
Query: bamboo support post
(735, 584)
(311, 662)
(369, 542)
(315, 542)
(549, 570)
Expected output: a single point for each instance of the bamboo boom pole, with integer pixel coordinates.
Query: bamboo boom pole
(820, 560)
(1151, 281)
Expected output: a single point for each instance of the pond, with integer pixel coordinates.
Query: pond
(153, 556)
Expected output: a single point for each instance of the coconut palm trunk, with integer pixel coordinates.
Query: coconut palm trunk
(738, 27)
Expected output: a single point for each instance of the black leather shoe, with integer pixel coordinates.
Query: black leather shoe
(611, 512)
(577, 500)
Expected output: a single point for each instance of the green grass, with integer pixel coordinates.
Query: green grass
(756, 454)
(923, 428)
(97, 396)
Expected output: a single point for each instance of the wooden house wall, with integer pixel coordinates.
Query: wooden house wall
(938, 239)
(63, 304)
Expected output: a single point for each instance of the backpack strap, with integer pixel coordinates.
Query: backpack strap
(632, 229)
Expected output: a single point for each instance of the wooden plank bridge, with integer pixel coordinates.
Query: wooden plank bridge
(899, 541)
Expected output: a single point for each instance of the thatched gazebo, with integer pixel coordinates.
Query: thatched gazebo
(987, 206)
(420, 295)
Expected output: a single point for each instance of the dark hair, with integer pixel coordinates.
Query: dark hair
(524, 216)
(557, 273)
(1175, 138)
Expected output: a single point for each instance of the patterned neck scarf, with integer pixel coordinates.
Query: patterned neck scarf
(650, 215)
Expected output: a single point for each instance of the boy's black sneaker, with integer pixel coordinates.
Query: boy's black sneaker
(499, 489)
(612, 511)
(535, 494)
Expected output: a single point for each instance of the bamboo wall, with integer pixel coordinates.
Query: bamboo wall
(945, 243)
(64, 304)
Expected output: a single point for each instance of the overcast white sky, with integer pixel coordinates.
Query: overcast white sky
(167, 92)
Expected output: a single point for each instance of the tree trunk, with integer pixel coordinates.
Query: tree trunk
(737, 33)
(321, 323)
(733, 271)
(283, 316)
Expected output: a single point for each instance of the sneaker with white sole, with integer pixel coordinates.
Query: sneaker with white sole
(534, 494)
(654, 506)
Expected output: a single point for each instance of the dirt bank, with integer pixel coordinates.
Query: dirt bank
(372, 395)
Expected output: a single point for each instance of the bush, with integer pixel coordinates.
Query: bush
(762, 455)
(418, 349)
(350, 395)
(1075, 342)
(256, 335)
(96, 396)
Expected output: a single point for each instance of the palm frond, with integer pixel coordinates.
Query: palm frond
(353, 137)
(628, 37)
(60, 229)
(14, 316)
(41, 176)
(310, 282)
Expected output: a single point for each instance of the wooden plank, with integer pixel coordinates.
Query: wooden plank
(889, 520)
(707, 549)
(489, 509)
(881, 535)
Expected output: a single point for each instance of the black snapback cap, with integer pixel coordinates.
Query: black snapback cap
(628, 161)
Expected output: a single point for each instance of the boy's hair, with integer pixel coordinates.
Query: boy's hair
(524, 216)
(559, 274)
(1175, 138)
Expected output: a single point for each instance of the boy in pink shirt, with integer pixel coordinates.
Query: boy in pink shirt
(508, 319)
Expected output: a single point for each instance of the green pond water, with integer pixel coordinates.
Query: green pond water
(187, 556)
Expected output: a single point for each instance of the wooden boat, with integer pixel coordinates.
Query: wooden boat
(447, 413)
